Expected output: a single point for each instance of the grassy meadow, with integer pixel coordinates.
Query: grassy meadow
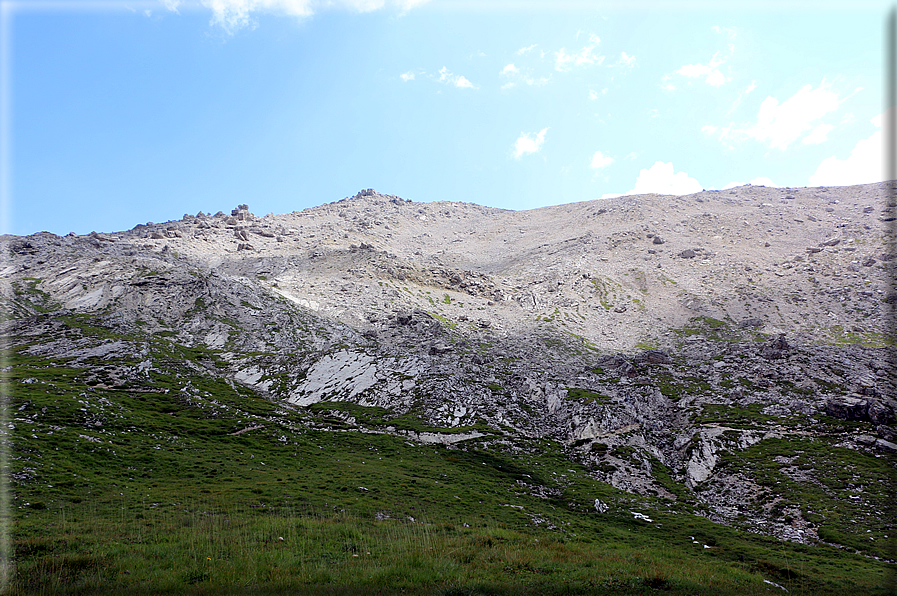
(186, 484)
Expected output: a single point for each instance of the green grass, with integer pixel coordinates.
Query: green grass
(840, 336)
(713, 330)
(26, 289)
(583, 395)
(208, 546)
(848, 492)
(174, 481)
(747, 416)
(217, 525)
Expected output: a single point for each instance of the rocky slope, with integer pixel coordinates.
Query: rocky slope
(727, 351)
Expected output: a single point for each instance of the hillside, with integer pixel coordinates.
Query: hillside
(719, 363)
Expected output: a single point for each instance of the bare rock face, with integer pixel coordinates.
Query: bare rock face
(847, 408)
(653, 363)
(880, 414)
(776, 348)
(653, 357)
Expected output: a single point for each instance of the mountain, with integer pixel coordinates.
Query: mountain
(725, 355)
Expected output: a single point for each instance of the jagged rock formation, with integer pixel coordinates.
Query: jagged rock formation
(656, 337)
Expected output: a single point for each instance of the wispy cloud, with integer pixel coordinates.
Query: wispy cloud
(513, 76)
(406, 5)
(523, 51)
(625, 60)
(733, 185)
(599, 160)
(709, 71)
(818, 135)
(449, 78)
(779, 124)
(741, 96)
(233, 15)
(528, 143)
(731, 32)
(865, 163)
(565, 62)
(714, 77)
(662, 179)
(407, 76)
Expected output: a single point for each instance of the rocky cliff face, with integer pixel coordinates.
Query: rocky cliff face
(714, 350)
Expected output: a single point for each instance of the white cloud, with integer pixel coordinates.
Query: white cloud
(710, 71)
(611, 195)
(365, 5)
(864, 165)
(730, 31)
(528, 143)
(714, 77)
(233, 15)
(733, 185)
(449, 78)
(782, 124)
(763, 181)
(171, 5)
(626, 60)
(515, 75)
(741, 95)
(565, 62)
(523, 51)
(818, 135)
(406, 5)
(509, 69)
(599, 160)
(407, 76)
(662, 179)
(709, 129)
(798, 117)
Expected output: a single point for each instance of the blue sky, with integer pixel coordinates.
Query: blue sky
(118, 113)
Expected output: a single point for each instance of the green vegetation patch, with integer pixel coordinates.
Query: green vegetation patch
(183, 483)
(583, 395)
(737, 416)
(675, 387)
(710, 328)
(847, 492)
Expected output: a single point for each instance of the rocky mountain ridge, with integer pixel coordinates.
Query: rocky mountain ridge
(674, 345)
